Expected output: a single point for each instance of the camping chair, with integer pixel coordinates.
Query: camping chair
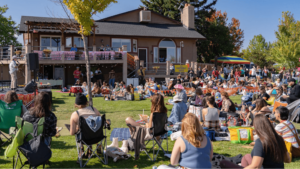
(8, 112)
(277, 104)
(159, 123)
(27, 128)
(88, 137)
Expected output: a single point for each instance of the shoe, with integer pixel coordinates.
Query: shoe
(124, 147)
(115, 143)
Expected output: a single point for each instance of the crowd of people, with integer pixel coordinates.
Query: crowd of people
(193, 149)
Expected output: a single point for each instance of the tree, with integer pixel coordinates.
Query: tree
(82, 11)
(257, 51)
(237, 35)
(164, 7)
(286, 49)
(8, 29)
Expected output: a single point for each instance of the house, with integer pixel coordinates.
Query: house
(144, 35)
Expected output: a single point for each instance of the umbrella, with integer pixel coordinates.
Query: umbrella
(231, 60)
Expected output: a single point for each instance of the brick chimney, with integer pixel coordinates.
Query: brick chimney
(188, 16)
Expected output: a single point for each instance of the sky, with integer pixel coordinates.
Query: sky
(256, 16)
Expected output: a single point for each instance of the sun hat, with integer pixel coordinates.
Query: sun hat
(177, 98)
(178, 86)
(14, 57)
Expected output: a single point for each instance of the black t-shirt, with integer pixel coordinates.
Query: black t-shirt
(261, 96)
(268, 162)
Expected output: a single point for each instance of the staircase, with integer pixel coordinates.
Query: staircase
(131, 66)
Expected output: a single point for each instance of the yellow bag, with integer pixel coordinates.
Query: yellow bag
(289, 147)
(241, 135)
(136, 96)
(271, 101)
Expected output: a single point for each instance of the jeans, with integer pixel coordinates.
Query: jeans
(228, 78)
(112, 82)
(273, 77)
(47, 141)
(205, 75)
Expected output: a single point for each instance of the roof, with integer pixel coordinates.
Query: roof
(123, 28)
(231, 60)
(139, 9)
(23, 26)
(145, 30)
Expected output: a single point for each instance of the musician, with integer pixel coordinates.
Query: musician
(13, 68)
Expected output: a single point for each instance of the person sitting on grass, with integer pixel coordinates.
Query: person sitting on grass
(158, 106)
(180, 92)
(269, 150)
(227, 104)
(81, 103)
(198, 97)
(287, 130)
(96, 90)
(261, 108)
(12, 97)
(193, 149)
(210, 115)
(42, 108)
(178, 111)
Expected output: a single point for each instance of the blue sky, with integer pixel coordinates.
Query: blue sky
(256, 16)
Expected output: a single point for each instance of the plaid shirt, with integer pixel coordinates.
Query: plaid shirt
(49, 126)
(212, 125)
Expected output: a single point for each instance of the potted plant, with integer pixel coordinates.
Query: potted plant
(47, 52)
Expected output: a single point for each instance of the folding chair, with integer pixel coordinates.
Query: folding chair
(27, 128)
(88, 137)
(8, 112)
(159, 123)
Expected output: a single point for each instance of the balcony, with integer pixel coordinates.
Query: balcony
(79, 57)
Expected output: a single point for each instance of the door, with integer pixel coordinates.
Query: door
(143, 56)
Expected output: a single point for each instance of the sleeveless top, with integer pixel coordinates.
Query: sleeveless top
(212, 114)
(194, 157)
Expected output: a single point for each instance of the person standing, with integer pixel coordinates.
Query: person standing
(191, 73)
(253, 72)
(215, 73)
(141, 75)
(265, 73)
(237, 74)
(13, 68)
(76, 74)
(199, 72)
(273, 73)
(74, 49)
(172, 69)
(204, 70)
(112, 78)
(98, 77)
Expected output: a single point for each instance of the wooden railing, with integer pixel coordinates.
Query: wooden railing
(130, 61)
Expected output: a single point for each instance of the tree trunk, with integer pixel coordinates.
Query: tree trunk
(88, 70)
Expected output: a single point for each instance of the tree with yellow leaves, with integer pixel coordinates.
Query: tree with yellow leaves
(82, 11)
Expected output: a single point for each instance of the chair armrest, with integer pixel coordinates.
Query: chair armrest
(12, 131)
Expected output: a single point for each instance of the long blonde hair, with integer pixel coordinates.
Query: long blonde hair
(192, 130)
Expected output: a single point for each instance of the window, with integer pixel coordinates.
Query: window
(155, 54)
(178, 55)
(69, 42)
(52, 43)
(167, 51)
(78, 41)
(134, 45)
(118, 43)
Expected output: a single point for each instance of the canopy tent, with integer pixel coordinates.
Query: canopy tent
(231, 60)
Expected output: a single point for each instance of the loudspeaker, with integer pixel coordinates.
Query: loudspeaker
(30, 87)
(33, 61)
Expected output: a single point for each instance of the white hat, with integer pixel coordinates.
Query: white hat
(177, 98)
(14, 57)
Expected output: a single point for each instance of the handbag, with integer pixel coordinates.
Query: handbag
(241, 135)
(35, 150)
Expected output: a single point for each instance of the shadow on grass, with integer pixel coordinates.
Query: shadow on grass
(61, 145)
(56, 101)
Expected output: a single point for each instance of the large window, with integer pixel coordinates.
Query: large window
(68, 42)
(178, 55)
(118, 43)
(78, 41)
(165, 52)
(52, 43)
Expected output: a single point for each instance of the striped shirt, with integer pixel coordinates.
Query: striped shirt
(286, 133)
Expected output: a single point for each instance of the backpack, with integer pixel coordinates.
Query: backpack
(233, 119)
(35, 150)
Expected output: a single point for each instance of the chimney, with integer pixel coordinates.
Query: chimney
(188, 16)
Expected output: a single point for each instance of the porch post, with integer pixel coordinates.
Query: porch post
(27, 68)
(125, 66)
(12, 51)
(168, 67)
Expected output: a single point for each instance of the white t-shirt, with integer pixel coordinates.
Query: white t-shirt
(253, 72)
(97, 71)
(92, 74)
(12, 67)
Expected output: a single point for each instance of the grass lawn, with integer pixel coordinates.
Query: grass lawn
(64, 148)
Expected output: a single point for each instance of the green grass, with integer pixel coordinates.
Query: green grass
(64, 148)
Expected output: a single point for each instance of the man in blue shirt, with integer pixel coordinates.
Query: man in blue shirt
(74, 48)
